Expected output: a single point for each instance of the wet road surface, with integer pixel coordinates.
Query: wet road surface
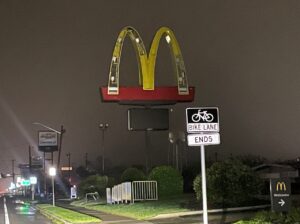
(16, 211)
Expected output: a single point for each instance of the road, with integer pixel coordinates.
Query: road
(15, 211)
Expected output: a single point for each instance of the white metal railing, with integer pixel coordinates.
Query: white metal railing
(144, 191)
(135, 191)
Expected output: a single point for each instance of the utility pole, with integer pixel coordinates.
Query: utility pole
(86, 160)
(29, 158)
(69, 165)
(13, 170)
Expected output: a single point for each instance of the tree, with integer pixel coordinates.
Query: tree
(83, 172)
(133, 174)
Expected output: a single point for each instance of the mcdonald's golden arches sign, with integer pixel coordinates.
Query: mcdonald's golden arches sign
(146, 92)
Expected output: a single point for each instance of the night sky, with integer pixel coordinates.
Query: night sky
(242, 56)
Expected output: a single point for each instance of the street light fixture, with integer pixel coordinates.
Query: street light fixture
(52, 173)
(103, 127)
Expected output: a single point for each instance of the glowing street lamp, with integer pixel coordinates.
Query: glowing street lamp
(52, 173)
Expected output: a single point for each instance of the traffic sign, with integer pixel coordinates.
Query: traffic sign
(25, 183)
(205, 122)
(33, 180)
(203, 139)
(280, 194)
(202, 119)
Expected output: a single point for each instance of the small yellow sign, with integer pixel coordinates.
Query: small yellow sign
(280, 186)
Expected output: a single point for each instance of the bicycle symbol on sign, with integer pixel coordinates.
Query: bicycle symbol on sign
(204, 116)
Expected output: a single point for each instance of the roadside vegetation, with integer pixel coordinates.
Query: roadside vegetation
(58, 215)
(140, 210)
(170, 188)
(268, 217)
(230, 183)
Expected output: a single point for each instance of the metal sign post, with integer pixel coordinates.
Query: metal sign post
(204, 194)
(204, 123)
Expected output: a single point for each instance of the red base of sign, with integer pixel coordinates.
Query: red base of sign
(138, 96)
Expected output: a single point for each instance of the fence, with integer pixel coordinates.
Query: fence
(135, 191)
(144, 190)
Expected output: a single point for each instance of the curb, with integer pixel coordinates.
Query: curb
(212, 211)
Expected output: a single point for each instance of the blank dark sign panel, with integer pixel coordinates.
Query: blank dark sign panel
(142, 119)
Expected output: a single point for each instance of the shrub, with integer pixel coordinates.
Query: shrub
(169, 180)
(94, 183)
(132, 174)
(269, 217)
(229, 183)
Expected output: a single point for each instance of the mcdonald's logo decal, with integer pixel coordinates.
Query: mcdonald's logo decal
(146, 92)
(280, 186)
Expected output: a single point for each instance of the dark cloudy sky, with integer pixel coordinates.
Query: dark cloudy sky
(242, 56)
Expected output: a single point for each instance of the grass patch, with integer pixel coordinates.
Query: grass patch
(140, 210)
(67, 215)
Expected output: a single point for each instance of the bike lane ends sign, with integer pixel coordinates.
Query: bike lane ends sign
(202, 119)
(203, 139)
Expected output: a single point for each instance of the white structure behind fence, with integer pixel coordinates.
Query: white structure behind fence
(135, 191)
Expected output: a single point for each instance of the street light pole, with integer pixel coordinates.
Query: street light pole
(52, 173)
(175, 139)
(103, 127)
(13, 170)
(62, 131)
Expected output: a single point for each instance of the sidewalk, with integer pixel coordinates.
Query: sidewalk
(105, 217)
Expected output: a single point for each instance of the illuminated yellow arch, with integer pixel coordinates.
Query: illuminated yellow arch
(146, 63)
(141, 54)
(177, 58)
